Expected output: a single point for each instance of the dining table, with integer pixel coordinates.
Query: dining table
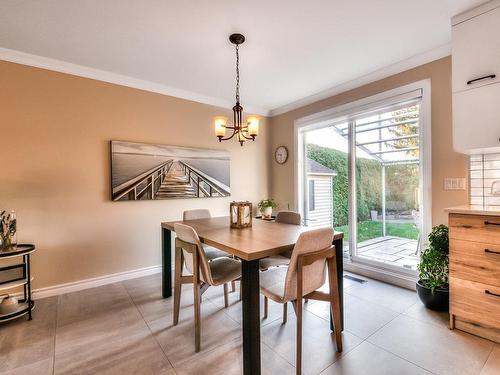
(261, 240)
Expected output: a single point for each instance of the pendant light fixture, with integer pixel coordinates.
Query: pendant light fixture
(242, 130)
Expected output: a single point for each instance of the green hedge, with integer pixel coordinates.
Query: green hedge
(401, 181)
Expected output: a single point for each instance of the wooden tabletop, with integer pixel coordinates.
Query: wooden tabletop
(261, 240)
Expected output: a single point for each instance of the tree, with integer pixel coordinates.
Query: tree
(405, 114)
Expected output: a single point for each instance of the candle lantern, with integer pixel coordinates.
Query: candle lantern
(240, 214)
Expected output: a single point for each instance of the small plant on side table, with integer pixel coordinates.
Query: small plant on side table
(8, 226)
(432, 286)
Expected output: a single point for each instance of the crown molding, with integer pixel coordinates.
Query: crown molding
(60, 66)
(385, 72)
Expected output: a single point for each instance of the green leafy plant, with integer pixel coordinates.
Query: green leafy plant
(433, 266)
(265, 203)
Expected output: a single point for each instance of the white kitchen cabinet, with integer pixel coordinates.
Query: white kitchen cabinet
(476, 79)
(476, 120)
(476, 51)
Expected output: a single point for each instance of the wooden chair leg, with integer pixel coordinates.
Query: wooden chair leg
(266, 307)
(334, 301)
(177, 283)
(233, 286)
(196, 289)
(226, 300)
(285, 312)
(298, 310)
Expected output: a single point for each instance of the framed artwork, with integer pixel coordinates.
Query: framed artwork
(141, 171)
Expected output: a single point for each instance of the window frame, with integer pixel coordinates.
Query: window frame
(346, 112)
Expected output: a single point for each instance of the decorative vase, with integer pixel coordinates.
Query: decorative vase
(8, 230)
(9, 305)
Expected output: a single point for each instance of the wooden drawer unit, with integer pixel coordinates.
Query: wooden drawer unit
(475, 274)
(475, 228)
(475, 261)
(475, 301)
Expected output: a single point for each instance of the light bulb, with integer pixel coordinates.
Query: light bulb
(253, 125)
(220, 126)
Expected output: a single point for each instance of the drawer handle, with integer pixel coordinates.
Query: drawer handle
(491, 293)
(490, 76)
(491, 251)
(491, 223)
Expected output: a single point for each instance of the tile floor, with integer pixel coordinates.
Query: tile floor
(126, 328)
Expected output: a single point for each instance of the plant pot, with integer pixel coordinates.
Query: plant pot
(438, 300)
(267, 212)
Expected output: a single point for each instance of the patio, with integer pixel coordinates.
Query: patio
(400, 252)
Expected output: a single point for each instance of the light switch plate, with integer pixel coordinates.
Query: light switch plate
(454, 183)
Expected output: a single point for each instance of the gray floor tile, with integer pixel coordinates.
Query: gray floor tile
(492, 366)
(132, 353)
(178, 341)
(385, 295)
(25, 342)
(319, 350)
(370, 359)
(420, 312)
(436, 349)
(227, 360)
(114, 325)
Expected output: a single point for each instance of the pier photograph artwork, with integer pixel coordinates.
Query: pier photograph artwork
(141, 171)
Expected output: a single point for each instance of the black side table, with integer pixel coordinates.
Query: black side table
(17, 275)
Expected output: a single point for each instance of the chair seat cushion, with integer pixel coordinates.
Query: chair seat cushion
(272, 283)
(274, 261)
(213, 253)
(224, 270)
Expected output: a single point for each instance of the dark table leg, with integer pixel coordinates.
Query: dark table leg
(28, 277)
(339, 256)
(250, 291)
(166, 261)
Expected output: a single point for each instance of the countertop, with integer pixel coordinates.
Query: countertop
(473, 210)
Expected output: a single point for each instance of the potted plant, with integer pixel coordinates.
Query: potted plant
(8, 228)
(432, 286)
(266, 207)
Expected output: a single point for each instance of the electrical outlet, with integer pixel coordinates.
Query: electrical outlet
(454, 183)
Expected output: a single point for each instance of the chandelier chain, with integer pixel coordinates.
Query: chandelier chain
(237, 74)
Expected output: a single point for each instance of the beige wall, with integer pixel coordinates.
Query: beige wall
(55, 130)
(445, 162)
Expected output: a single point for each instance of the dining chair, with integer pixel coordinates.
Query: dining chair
(211, 252)
(312, 255)
(217, 272)
(283, 259)
(203, 213)
(285, 217)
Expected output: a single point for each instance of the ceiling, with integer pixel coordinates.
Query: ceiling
(294, 48)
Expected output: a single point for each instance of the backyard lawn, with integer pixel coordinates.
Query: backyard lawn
(373, 229)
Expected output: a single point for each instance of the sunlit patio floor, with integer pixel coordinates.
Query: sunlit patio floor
(397, 251)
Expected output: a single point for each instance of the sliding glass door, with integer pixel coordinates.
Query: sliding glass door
(361, 169)
(387, 180)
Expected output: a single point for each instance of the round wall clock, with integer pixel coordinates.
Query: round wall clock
(281, 155)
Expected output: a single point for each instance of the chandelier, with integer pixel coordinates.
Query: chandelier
(242, 130)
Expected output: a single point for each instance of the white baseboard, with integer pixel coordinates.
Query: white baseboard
(94, 282)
